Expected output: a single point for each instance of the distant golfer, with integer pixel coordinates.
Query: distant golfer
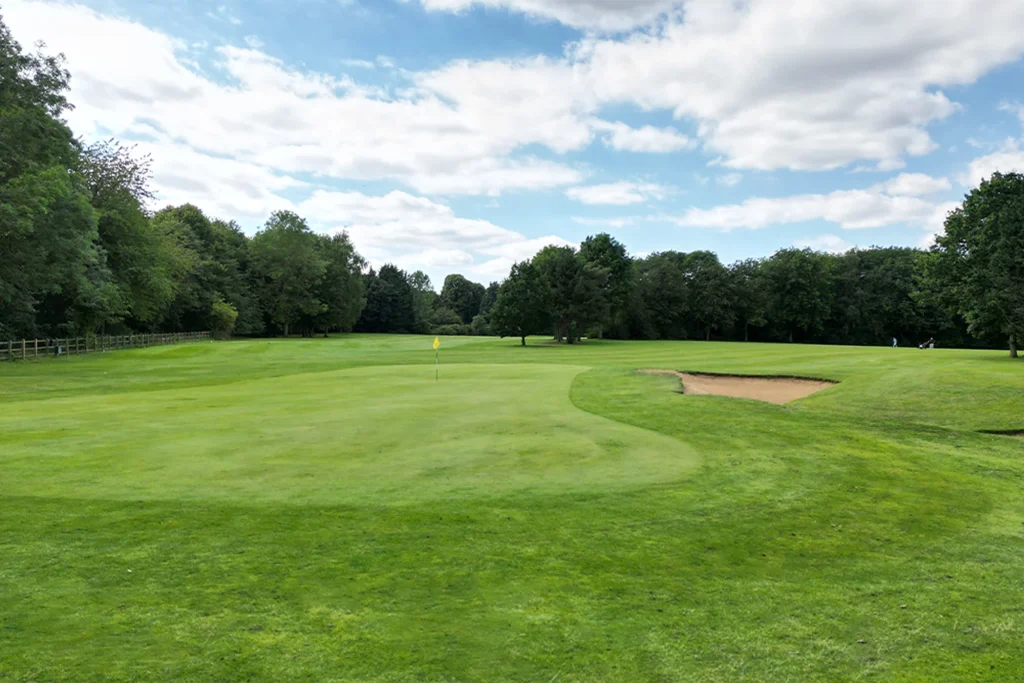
(895, 342)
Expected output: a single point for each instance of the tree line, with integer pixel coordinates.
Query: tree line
(80, 253)
(967, 290)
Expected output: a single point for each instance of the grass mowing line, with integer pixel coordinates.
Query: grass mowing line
(1019, 433)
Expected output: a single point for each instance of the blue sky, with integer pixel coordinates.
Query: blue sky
(462, 135)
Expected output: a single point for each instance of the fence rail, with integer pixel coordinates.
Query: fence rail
(31, 349)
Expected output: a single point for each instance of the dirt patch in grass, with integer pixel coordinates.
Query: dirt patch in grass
(1017, 433)
(778, 390)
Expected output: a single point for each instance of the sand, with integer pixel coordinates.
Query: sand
(778, 390)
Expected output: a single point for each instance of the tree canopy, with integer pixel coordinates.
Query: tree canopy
(979, 261)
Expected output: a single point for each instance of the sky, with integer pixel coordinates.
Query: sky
(464, 135)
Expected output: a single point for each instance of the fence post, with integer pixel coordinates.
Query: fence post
(10, 350)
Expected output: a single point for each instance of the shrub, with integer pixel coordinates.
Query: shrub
(481, 326)
(444, 316)
(452, 330)
(222, 319)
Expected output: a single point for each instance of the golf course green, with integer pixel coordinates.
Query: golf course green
(324, 510)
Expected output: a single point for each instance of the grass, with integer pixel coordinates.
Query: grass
(322, 510)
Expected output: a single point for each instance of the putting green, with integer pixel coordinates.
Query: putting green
(377, 435)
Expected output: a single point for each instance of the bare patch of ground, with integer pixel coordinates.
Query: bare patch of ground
(778, 390)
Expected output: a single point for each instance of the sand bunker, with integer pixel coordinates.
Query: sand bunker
(778, 390)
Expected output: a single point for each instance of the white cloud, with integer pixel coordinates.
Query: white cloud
(453, 133)
(605, 15)
(730, 179)
(225, 188)
(860, 83)
(506, 255)
(254, 42)
(617, 194)
(224, 14)
(644, 139)
(358, 63)
(850, 209)
(1010, 157)
(915, 185)
(1014, 108)
(829, 243)
(619, 222)
(418, 233)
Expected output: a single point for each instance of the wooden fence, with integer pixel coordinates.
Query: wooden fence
(30, 349)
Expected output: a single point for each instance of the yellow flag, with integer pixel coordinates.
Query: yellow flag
(437, 343)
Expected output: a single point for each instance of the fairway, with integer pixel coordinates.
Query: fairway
(323, 510)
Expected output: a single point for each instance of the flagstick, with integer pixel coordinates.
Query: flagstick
(437, 364)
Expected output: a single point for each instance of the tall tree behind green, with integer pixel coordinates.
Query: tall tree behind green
(481, 325)
(522, 304)
(462, 296)
(53, 279)
(288, 265)
(341, 288)
(662, 286)
(605, 252)
(216, 257)
(424, 301)
(979, 260)
(389, 302)
(146, 263)
(560, 269)
(709, 290)
(750, 299)
(799, 286)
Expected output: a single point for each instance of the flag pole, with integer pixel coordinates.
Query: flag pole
(437, 358)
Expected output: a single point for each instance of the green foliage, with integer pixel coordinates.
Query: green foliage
(608, 254)
(979, 260)
(453, 330)
(424, 299)
(462, 296)
(578, 291)
(750, 297)
(390, 302)
(444, 316)
(288, 263)
(53, 275)
(523, 302)
(222, 319)
(663, 297)
(798, 282)
(481, 326)
(341, 288)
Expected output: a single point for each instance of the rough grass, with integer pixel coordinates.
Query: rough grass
(322, 510)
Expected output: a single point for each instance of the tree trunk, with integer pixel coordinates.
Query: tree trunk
(286, 329)
(708, 337)
(1013, 348)
(523, 340)
(791, 336)
(746, 332)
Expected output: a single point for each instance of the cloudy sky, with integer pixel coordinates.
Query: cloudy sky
(461, 135)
